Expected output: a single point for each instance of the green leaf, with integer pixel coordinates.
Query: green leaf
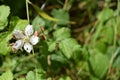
(106, 14)
(37, 22)
(17, 23)
(107, 32)
(7, 76)
(13, 22)
(67, 46)
(62, 16)
(101, 46)
(9, 63)
(51, 46)
(30, 75)
(98, 64)
(62, 33)
(58, 57)
(93, 78)
(38, 74)
(42, 13)
(44, 48)
(4, 13)
(4, 42)
(65, 78)
(78, 55)
(59, 34)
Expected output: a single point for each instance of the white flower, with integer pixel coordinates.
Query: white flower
(26, 39)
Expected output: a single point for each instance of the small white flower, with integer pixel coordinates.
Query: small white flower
(34, 40)
(18, 34)
(29, 30)
(28, 47)
(26, 39)
(18, 44)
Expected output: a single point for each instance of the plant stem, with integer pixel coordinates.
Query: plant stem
(33, 51)
(27, 11)
(65, 4)
(111, 61)
(114, 43)
(115, 28)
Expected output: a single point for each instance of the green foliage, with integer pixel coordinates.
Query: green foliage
(62, 33)
(106, 14)
(58, 35)
(65, 78)
(17, 23)
(62, 16)
(88, 50)
(7, 76)
(38, 74)
(4, 42)
(68, 46)
(98, 64)
(58, 57)
(42, 13)
(4, 13)
(37, 23)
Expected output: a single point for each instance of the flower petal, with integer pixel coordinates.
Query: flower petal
(34, 40)
(29, 30)
(18, 44)
(28, 47)
(18, 34)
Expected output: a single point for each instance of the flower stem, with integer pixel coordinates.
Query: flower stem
(33, 51)
(27, 11)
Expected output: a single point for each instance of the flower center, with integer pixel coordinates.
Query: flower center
(26, 39)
